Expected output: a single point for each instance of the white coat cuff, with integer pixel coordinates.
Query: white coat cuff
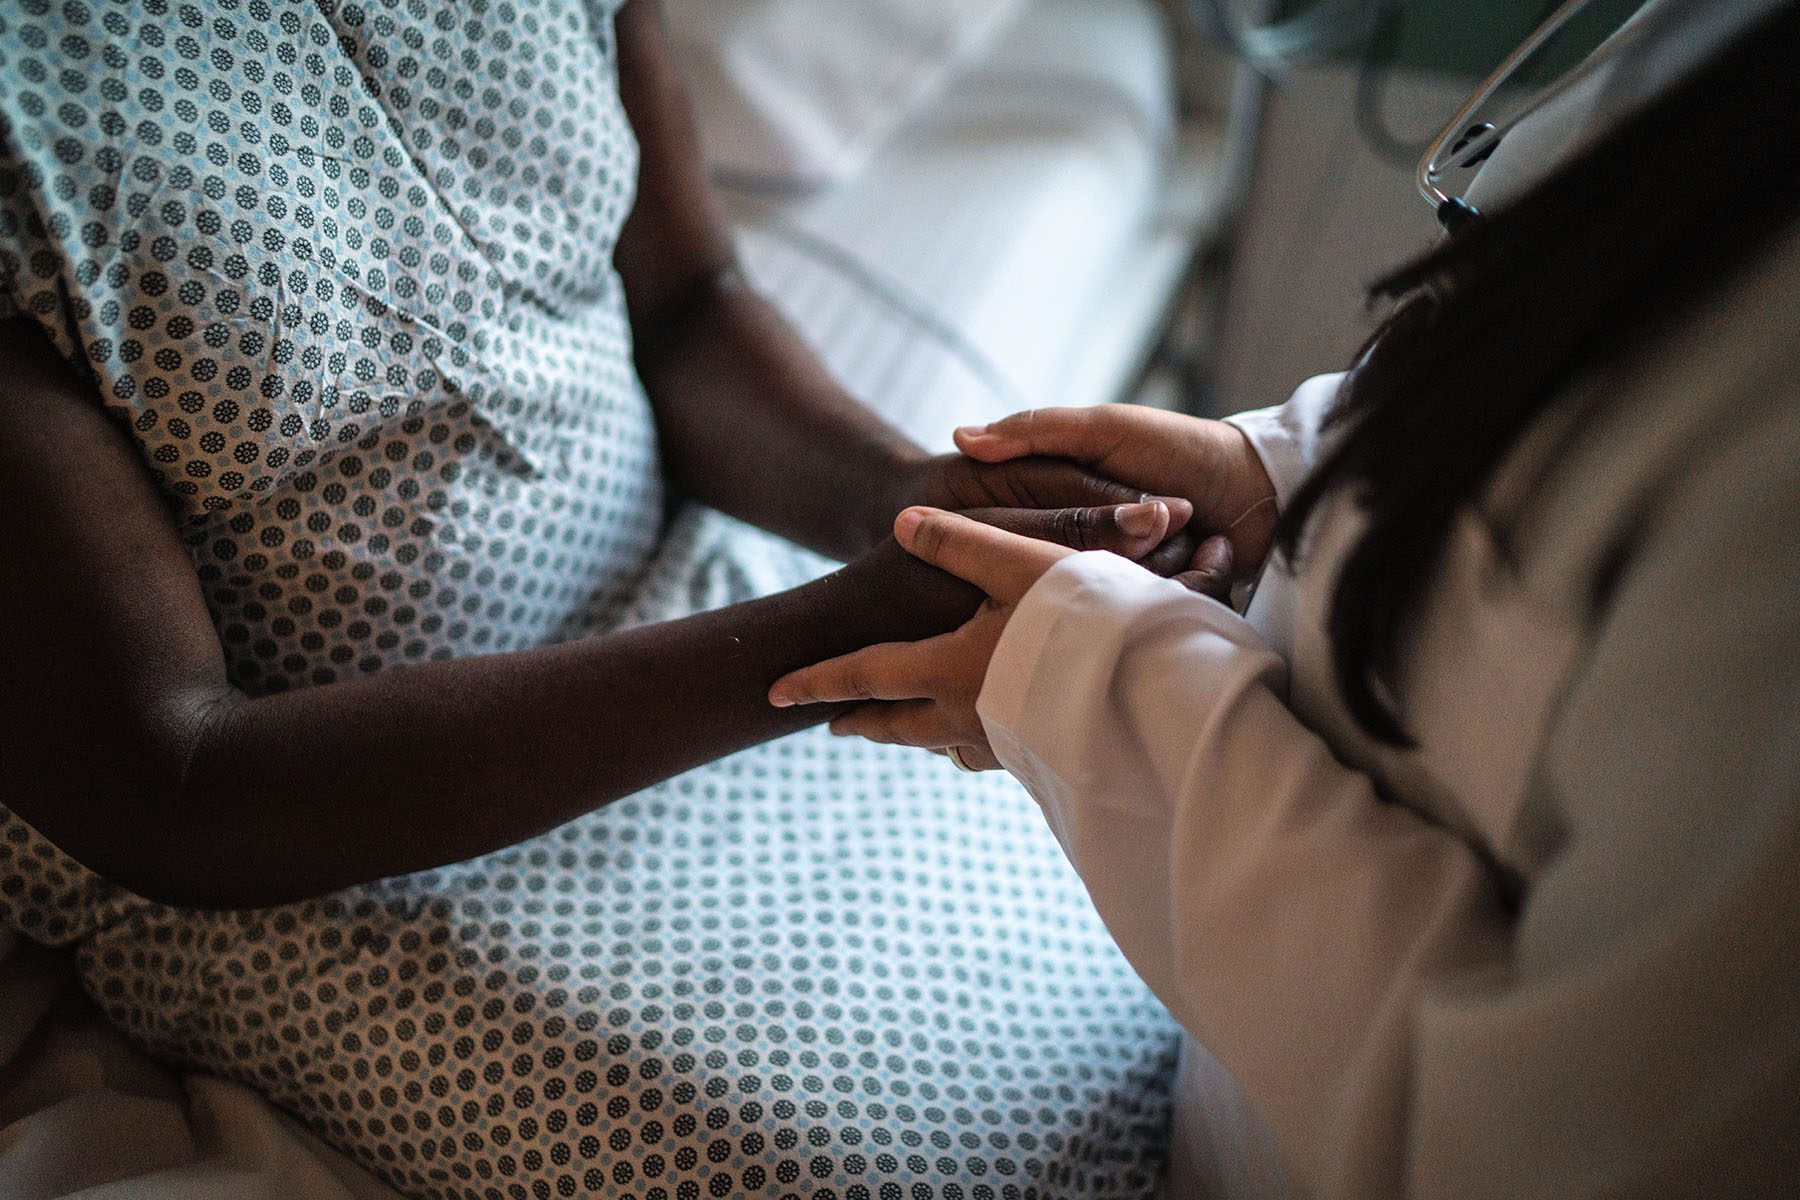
(1287, 437)
(1063, 637)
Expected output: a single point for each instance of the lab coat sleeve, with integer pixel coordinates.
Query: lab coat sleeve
(1287, 437)
(1402, 1030)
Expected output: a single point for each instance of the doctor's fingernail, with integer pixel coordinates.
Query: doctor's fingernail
(1141, 520)
(972, 431)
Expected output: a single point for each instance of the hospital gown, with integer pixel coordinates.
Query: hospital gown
(344, 270)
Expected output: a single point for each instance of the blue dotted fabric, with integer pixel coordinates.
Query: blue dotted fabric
(345, 272)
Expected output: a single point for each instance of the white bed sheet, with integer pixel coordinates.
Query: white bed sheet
(84, 1115)
(954, 279)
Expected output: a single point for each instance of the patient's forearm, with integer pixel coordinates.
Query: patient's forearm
(123, 742)
(306, 792)
(752, 424)
(750, 421)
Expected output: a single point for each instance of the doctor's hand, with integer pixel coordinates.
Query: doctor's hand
(924, 693)
(1208, 463)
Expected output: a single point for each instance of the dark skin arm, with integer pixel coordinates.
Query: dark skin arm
(124, 743)
(726, 373)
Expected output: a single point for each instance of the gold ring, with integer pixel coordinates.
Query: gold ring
(954, 754)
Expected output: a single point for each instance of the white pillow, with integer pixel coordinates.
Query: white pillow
(797, 94)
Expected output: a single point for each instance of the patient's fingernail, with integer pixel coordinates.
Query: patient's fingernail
(780, 699)
(972, 432)
(906, 523)
(1141, 520)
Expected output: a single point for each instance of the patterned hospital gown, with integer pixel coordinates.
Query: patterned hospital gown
(344, 269)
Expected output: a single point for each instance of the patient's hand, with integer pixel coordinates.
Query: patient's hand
(924, 693)
(1151, 533)
(1052, 500)
(1208, 463)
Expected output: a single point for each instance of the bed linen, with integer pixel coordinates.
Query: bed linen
(799, 93)
(85, 1114)
(955, 278)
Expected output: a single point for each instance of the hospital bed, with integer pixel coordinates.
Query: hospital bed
(1019, 240)
(1022, 241)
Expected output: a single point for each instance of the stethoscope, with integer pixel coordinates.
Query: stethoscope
(1331, 25)
(1467, 142)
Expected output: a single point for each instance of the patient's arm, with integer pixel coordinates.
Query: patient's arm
(122, 740)
(750, 422)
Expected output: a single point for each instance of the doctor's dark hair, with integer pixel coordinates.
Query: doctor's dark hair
(1490, 326)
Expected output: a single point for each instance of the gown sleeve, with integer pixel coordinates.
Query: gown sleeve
(1632, 1029)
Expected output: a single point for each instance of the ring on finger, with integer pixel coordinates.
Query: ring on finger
(954, 754)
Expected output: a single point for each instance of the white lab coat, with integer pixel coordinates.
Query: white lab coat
(1555, 951)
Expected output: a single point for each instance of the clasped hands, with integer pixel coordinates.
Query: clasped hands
(1197, 506)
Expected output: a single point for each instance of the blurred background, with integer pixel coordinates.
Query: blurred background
(972, 206)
